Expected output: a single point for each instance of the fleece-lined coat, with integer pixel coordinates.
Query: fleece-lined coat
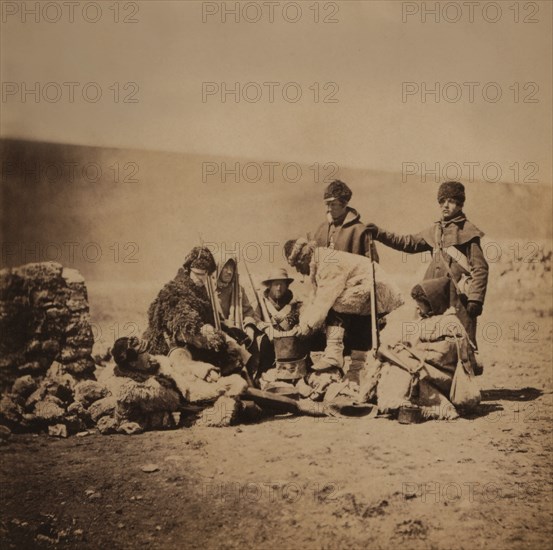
(178, 313)
(176, 318)
(463, 236)
(342, 282)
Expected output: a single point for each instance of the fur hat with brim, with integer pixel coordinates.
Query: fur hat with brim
(453, 190)
(200, 257)
(279, 274)
(337, 190)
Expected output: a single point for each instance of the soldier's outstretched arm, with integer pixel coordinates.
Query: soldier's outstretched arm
(411, 244)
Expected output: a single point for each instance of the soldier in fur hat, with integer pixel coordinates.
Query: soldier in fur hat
(456, 253)
(343, 229)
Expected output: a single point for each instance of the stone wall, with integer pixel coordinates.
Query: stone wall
(44, 317)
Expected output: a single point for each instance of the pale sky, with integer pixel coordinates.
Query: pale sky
(368, 54)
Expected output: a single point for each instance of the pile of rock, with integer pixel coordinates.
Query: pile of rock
(45, 346)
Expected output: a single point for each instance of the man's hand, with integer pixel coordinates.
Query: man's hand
(373, 230)
(263, 325)
(207, 330)
(213, 375)
(303, 329)
(474, 308)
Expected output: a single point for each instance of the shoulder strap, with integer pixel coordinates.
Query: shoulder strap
(440, 252)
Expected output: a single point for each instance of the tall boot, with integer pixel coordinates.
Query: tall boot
(333, 355)
(357, 366)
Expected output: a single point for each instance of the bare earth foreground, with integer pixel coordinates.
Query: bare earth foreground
(305, 482)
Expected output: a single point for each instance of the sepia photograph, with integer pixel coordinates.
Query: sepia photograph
(276, 274)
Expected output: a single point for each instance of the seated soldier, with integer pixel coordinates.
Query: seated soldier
(235, 307)
(144, 398)
(182, 316)
(160, 384)
(282, 309)
(281, 315)
(239, 321)
(432, 367)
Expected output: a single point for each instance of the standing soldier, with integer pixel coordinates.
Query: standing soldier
(456, 253)
(344, 231)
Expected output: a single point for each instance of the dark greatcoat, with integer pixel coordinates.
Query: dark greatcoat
(351, 236)
(463, 235)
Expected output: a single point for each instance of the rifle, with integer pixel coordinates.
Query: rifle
(212, 296)
(237, 301)
(260, 301)
(374, 319)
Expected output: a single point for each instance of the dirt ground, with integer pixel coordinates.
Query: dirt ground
(309, 483)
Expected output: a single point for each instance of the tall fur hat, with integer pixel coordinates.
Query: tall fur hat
(337, 190)
(452, 190)
(200, 257)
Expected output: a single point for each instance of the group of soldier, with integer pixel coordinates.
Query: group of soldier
(321, 347)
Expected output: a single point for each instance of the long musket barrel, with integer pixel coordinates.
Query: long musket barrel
(211, 294)
(238, 309)
(260, 302)
(213, 299)
(374, 311)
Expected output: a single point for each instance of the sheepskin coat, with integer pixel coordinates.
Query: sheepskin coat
(176, 318)
(342, 282)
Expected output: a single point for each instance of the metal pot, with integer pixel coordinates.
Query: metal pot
(409, 414)
(289, 347)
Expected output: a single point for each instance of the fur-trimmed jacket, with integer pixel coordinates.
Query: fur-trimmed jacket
(342, 282)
